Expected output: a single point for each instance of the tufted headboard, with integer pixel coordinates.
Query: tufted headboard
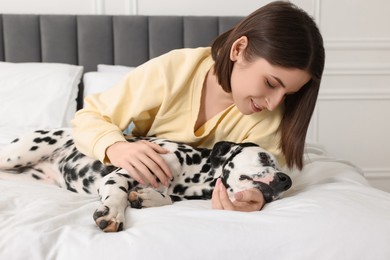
(89, 40)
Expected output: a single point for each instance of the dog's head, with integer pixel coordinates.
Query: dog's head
(247, 165)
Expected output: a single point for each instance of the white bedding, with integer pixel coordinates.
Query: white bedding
(57, 85)
(329, 213)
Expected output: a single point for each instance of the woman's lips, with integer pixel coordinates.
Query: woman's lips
(255, 107)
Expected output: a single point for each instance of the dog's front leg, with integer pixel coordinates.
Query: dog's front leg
(113, 191)
(148, 197)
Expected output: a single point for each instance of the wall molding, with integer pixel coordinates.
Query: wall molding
(358, 44)
(349, 69)
(99, 7)
(345, 94)
(353, 94)
(130, 7)
(317, 11)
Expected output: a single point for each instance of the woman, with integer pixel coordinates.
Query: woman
(258, 83)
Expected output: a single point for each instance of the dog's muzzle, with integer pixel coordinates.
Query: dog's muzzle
(272, 191)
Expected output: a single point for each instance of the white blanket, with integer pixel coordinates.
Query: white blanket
(329, 213)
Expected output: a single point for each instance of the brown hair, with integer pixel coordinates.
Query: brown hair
(285, 36)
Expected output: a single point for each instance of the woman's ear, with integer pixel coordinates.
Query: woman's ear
(238, 48)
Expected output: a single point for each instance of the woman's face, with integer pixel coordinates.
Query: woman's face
(258, 85)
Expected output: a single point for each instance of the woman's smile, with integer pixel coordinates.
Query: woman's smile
(255, 107)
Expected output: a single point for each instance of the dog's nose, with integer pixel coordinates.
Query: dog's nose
(283, 180)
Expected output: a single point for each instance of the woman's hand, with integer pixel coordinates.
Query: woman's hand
(142, 160)
(247, 200)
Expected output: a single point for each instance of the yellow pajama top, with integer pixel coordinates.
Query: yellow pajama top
(162, 98)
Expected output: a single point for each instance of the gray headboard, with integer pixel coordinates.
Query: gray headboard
(89, 40)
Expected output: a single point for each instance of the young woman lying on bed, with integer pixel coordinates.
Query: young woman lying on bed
(257, 83)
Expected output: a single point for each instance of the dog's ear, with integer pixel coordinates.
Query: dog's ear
(266, 160)
(220, 152)
(224, 150)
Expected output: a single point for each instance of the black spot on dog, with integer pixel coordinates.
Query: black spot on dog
(69, 173)
(47, 139)
(104, 170)
(110, 182)
(35, 176)
(59, 132)
(188, 160)
(86, 190)
(77, 157)
(231, 164)
(179, 157)
(70, 188)
(84, 171)
(96, 166)
(183, 149)
(43, 132)
(179, 189)
(33, 148)
(69, 143)
(124, 175)
(194, 179)
(175, 198)
(206, 167)
(196, 159)
(51, 141)
(85, 182)
(245, 177)
(70, 156)
(88, 181)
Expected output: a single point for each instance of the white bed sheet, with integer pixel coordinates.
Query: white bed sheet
(330, 213)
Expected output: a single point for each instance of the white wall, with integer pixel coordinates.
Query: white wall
(352, 116)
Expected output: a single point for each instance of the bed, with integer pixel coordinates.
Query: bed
(49, 62)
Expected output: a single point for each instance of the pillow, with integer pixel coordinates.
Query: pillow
(38, 95)
(113, 68)
(106, 77)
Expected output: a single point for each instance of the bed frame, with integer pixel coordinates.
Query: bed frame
(89, 40)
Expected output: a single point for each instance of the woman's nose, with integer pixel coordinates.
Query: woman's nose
(274, 100)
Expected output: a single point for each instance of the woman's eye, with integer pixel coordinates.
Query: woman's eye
(269, 84)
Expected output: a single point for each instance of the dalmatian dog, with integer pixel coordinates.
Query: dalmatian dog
(51, 156)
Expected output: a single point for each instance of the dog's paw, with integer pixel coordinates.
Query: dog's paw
(148, 197)
(109, 219)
